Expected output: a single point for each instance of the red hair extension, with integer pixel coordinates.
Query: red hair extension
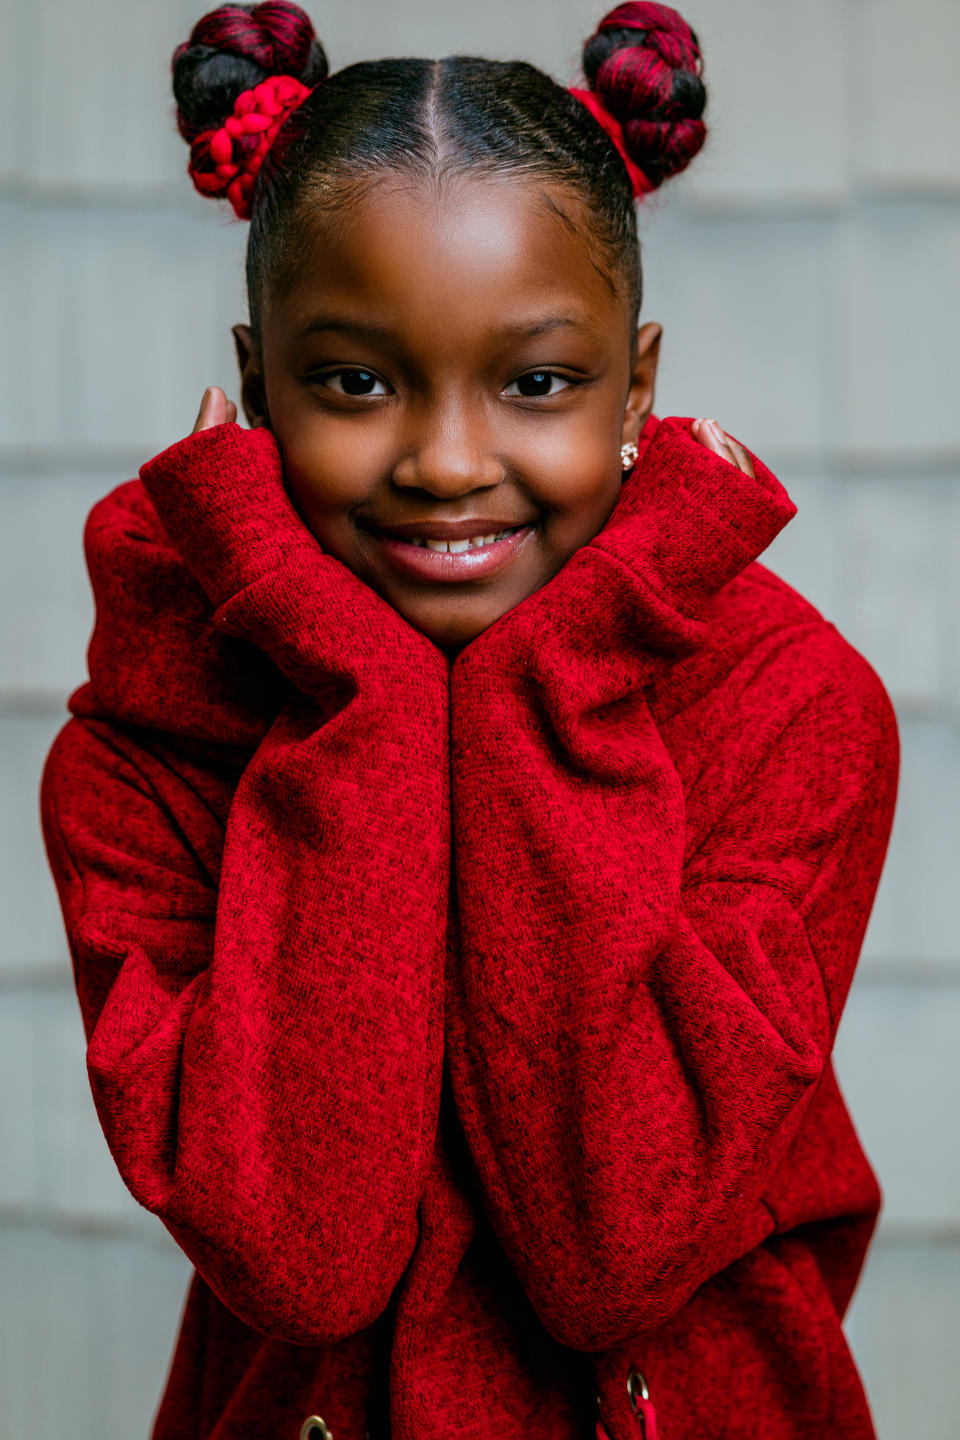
(635, 83)
(275, 35)
(640, 182)
(226, 161)
(664, 29)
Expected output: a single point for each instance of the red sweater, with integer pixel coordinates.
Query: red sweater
(469, 1024)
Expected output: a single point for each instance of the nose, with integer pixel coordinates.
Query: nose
(448, 451)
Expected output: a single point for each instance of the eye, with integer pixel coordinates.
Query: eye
(352, 382)
(538, 382)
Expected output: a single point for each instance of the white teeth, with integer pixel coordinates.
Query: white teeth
(457, 547)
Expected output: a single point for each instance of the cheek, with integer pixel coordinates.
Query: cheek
(328, 468)
(585, 511)
(579, 485)
(580, 449)
(325, 461)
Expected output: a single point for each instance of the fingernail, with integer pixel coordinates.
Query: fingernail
(718, 434)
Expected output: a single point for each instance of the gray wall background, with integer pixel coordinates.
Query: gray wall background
(806, 272)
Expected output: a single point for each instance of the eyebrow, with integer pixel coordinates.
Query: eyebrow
(522, 330)
(528, 330)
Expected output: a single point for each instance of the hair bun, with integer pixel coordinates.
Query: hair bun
(233, 48)
(644, 64)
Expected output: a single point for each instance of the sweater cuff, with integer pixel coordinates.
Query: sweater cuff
(687, 522)
(220, 496)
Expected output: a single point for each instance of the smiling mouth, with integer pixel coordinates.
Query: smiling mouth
(420, 557)
(457, 547)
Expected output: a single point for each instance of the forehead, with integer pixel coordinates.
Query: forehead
(452, 260)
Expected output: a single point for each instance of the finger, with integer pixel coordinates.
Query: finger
(742, 458)
(203, 421)
(709, 433)
(214, 409)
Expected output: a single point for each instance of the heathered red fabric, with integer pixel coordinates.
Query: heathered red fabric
(469, 1025)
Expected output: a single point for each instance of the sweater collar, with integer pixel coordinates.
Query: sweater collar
(685, 523)
(704, 509)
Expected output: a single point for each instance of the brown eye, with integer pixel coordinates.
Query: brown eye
(353, 382)
(538, 382)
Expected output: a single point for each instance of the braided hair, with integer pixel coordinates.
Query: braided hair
(429, 119)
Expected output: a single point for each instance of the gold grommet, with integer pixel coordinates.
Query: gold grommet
(635, 1382)
(315, 1428)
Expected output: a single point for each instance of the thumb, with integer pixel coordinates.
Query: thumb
(215, 409)
(709, 433)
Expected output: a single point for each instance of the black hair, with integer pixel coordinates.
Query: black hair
(436, 119)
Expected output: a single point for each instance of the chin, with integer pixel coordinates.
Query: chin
(452, 636)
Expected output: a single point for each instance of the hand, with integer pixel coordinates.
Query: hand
(221, 497)
(215, 409)
(680, 530)
(708, 433)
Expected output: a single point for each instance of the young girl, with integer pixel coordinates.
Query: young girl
(465, 845)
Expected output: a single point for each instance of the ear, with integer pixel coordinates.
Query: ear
(642, 381)
(252, 392)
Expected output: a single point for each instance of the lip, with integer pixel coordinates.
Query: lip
(448, 529)
(439, 565)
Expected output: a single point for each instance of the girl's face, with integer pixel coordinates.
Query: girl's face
(456, 362)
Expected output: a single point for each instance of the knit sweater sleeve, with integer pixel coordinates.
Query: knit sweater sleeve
(638, 1016)
(259, 958)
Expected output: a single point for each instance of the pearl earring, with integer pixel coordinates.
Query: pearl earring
(628, 455)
